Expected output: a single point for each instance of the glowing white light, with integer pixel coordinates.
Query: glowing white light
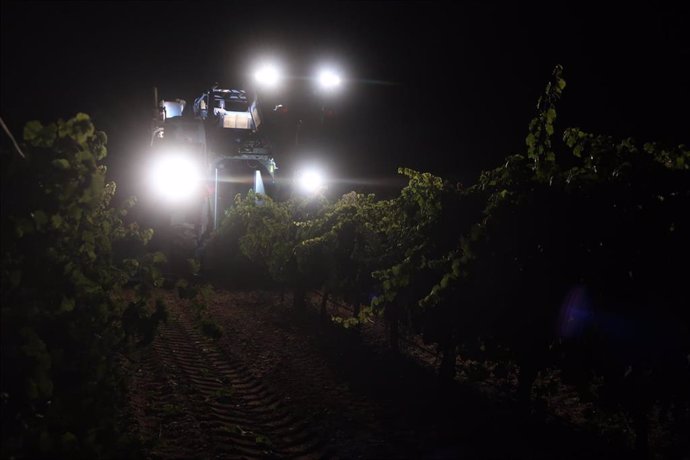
(176, 177)
(310, 181)
(328, 79)
(268, 75)
(259, 183)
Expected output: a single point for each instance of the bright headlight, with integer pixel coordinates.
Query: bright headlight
(268, 75)
(176, 177)
(328, 79)
(310, 181)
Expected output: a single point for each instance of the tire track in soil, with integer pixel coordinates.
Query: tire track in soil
(298, 363)
(200, 403)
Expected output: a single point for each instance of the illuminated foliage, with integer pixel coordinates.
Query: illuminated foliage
(66, 320)
(569, 255)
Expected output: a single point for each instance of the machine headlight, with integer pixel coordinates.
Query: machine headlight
(310, 181)
(329, 79)
(176, 177)
(268, 75)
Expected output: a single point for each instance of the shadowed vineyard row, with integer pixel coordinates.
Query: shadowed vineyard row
(76, 296)
(570, 256)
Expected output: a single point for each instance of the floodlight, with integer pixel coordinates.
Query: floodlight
(310, 181)
(328, 79)
(175, 177)
(268, 75)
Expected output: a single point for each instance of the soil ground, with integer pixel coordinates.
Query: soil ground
(283, 384)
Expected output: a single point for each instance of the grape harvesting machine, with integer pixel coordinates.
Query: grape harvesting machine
(190, 151)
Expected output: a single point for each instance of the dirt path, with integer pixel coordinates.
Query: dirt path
(194, 401)
(279, 384)
(370, 403)
(287, 352)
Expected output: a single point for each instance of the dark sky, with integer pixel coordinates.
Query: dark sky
(433, 86)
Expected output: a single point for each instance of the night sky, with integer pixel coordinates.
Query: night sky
(433, 86)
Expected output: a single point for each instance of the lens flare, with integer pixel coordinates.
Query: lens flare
(575, 314)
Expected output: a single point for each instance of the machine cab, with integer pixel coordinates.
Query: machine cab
(228, 108)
